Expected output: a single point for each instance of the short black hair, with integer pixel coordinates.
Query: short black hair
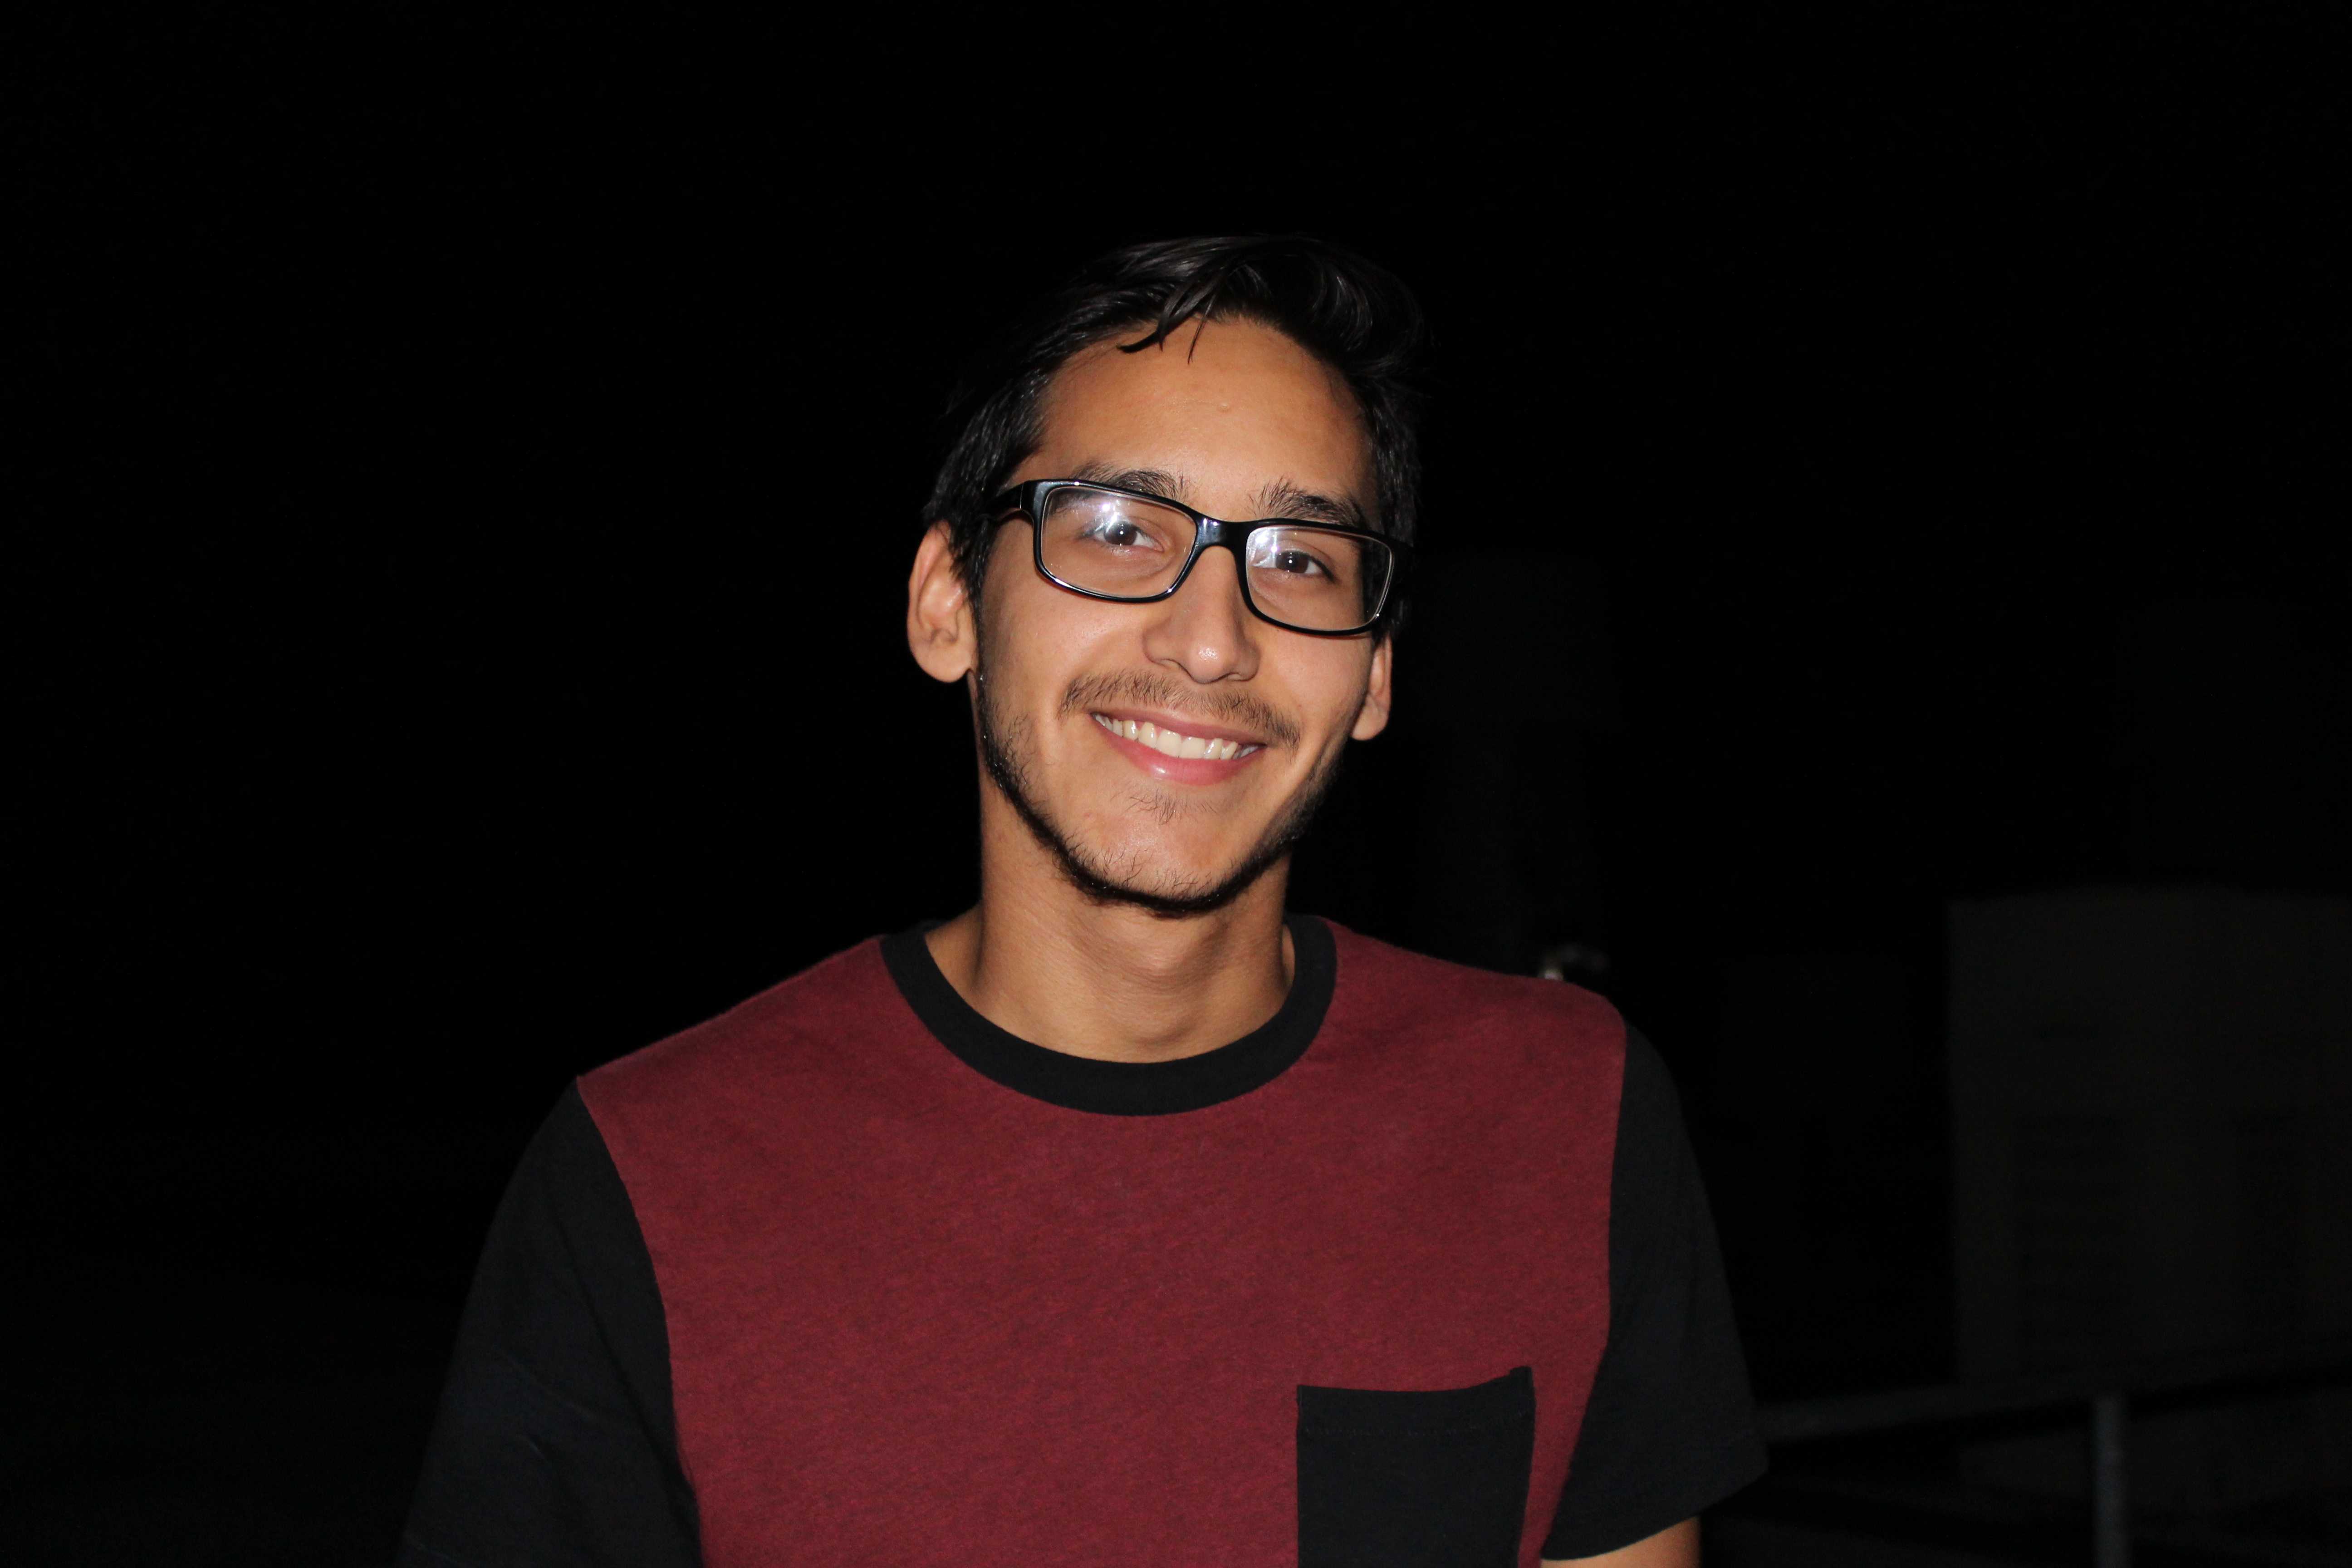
(1352, 314)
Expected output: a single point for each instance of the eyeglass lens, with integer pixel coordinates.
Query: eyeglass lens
(1304, 576)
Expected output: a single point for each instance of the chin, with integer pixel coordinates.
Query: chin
(1169, 897)
(1146, 871)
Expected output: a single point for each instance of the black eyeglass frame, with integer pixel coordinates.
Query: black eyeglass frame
(1028, 497)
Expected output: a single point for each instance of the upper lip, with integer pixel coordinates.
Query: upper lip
(1181, 725)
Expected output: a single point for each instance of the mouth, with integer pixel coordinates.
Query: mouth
(1215, 746)
(1205, 754)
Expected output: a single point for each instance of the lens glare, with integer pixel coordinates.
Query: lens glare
(1110, 543)
(1316, 579)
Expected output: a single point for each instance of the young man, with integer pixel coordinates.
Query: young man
(1124, 1216)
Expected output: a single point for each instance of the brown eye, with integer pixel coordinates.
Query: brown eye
(1119, 533)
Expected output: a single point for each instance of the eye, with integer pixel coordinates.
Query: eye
(1121, 530)
(1289, 561)
(1120, 533)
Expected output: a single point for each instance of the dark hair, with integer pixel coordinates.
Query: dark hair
(1352, 314)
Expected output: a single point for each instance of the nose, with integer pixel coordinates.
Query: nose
(1205, 629)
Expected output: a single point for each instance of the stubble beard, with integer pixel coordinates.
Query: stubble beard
(1104, 883)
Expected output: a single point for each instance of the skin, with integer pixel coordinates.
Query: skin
(1676, 1546)
(1139, 918)
(1231, 408)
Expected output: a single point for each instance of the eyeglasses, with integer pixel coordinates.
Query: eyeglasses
(1106, 543)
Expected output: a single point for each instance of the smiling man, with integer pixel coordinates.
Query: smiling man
(1127, 1215)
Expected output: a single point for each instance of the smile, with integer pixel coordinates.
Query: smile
(1175, 743)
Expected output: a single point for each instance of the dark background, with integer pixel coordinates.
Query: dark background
(470, 457)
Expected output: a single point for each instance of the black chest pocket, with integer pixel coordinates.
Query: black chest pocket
(1423, 1479)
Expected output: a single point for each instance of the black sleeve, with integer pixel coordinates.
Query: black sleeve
(556, 1440)
(1670, 1426)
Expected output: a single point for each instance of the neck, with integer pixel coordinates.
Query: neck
(1042, 961)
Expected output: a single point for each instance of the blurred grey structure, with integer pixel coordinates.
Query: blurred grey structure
(2152, 1094)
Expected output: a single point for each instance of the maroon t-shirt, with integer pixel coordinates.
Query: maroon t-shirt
(1416, 1273)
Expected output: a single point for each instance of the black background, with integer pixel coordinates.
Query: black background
(470, 457)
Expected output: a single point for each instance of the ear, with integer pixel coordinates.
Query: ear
(940, 627)
(1372, 717)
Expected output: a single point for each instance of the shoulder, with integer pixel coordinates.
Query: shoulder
(1547, 1030)
(791, 1029)
(1412, 990)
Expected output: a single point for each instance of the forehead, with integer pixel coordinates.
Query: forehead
(1233, 406)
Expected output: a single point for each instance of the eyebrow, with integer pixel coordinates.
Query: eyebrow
(1283, 499)
(1276, 498)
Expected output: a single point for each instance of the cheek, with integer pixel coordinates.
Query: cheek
(1342, 685)
(1034, 633)
(1030, 668)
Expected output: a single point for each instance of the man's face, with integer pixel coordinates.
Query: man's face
(1239, 422)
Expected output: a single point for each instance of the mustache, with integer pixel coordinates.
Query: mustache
(1147, 690)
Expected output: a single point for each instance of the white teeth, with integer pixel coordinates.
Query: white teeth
(1174, 745)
